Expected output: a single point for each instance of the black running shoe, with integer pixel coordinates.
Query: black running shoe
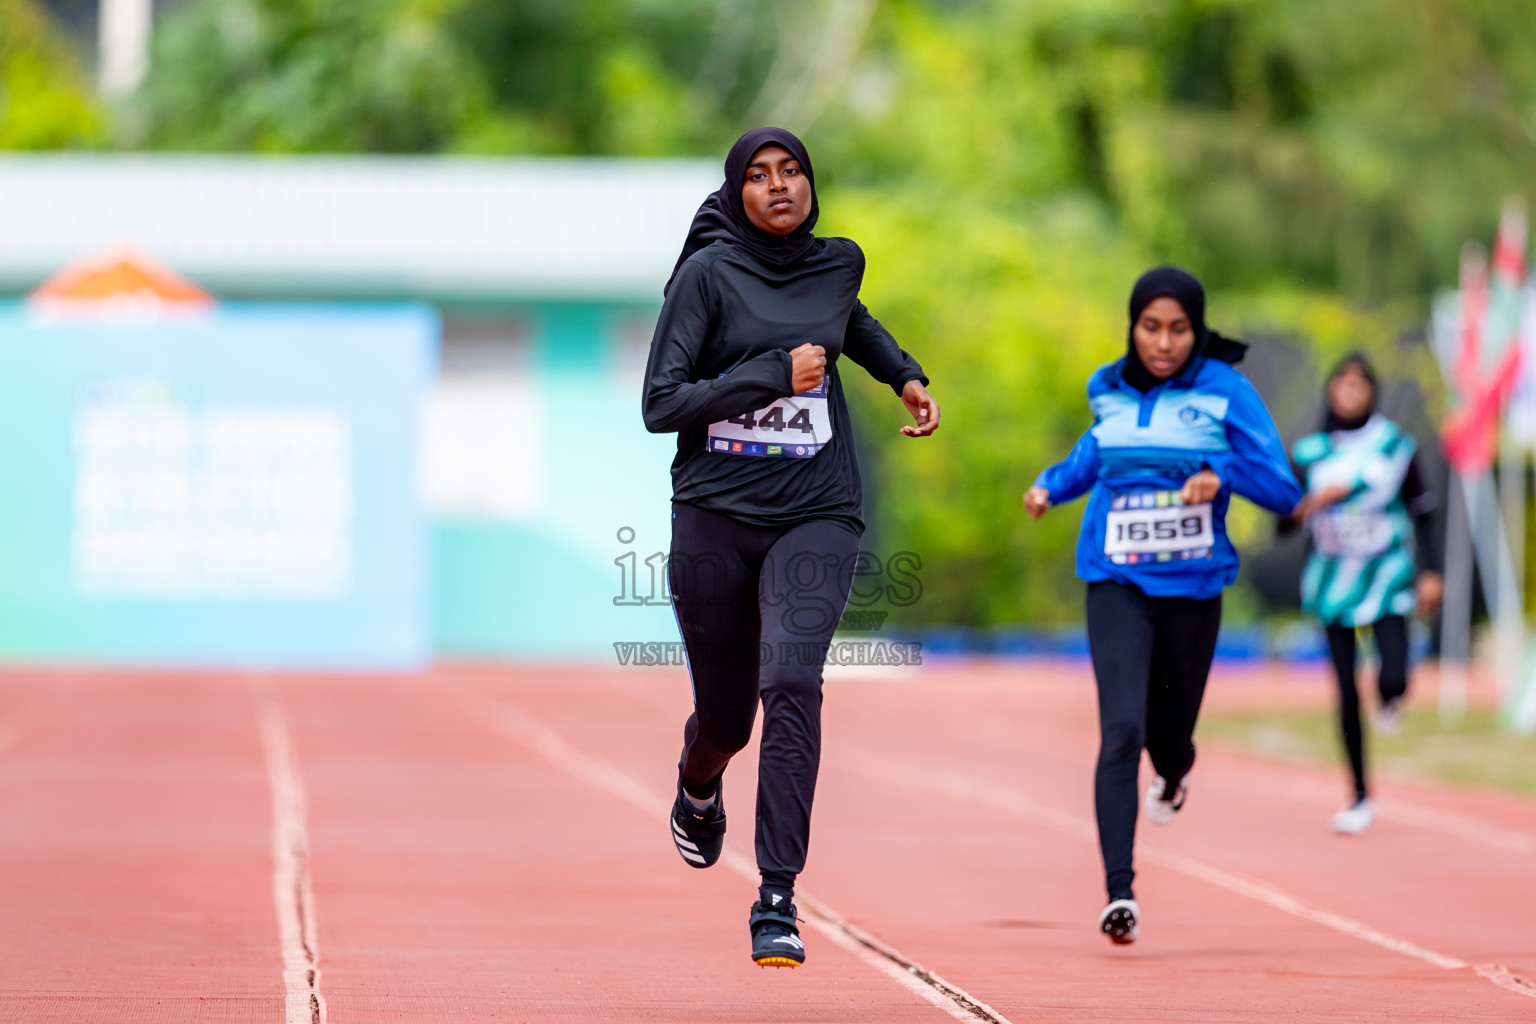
(699, 835)
(1120, 922)
(775, 936)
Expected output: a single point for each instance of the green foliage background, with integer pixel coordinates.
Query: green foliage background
(44, 103)
(1009, 168)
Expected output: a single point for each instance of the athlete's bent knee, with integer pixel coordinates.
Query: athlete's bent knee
(796, 683)
(726, 738)
(1121, 741)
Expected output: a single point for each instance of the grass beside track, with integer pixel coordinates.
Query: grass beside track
(1478, 750)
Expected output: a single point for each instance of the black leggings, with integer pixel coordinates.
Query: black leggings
(1151, 657)
(757, 608)
(1391, 633)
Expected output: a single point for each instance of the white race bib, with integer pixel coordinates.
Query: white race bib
(1156, 526)
(796, 427)
(1351, 533)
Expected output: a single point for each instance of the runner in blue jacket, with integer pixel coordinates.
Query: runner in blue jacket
(1177, 430)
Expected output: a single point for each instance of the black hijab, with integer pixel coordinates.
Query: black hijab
(1333, 421)
(1185, 289)
(722, 215)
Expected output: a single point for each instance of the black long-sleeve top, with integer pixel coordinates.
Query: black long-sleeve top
(721, 349)
(1421, 502)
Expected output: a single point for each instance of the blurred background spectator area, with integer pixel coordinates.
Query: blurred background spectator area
(526, 168)
(529, 460)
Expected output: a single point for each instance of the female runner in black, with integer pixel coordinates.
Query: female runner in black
(767, 506)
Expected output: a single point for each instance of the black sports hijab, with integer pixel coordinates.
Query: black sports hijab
(723, 216)
(1185, 289)
(1333, 421)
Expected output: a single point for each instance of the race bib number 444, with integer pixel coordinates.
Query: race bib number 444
(796, 427)
(1156, 526)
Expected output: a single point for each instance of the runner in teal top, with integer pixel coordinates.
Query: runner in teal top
(1362, 565)
(1373, 558)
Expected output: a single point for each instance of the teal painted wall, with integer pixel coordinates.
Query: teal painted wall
(235, 487)
(545, 585)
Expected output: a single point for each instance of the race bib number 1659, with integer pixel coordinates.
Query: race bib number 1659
(1155, 526)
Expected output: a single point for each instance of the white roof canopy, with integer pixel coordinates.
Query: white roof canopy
(417, 227)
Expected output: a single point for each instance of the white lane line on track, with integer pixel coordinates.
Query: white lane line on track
(960, 787)
(292, 894)
(1501, 976)
(554, 748)
(1457, 826)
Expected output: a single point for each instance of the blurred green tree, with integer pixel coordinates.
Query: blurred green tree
(639, 77)
(306, 76)
(45, 101)
(1345, 147)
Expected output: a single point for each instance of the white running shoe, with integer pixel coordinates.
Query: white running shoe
(1121, 922)
(1161, 811)
(1389, 717)
(1354, 820)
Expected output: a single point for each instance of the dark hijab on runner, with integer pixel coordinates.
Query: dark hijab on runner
(760, 320)
(1185, 289)
(1358, 362)
(723, 216)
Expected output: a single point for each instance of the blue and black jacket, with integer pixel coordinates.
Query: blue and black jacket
(1206, 416)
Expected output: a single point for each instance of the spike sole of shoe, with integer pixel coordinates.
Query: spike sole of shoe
(776, 961)
(1120, 926)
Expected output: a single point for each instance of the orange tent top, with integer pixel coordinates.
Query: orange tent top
(120, 277)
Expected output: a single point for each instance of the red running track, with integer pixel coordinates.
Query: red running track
(489, 844)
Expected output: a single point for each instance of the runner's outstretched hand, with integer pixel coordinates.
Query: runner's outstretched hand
(809, 365)
(1330, 495)
(1429, 588)
(922, 407)
(1036, 501)
(1201, 487)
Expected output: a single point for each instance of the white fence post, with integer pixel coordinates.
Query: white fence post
(123, 32)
